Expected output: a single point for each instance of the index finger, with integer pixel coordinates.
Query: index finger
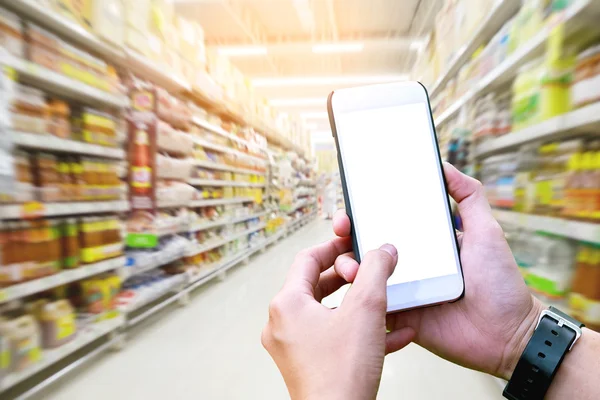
(308, 265)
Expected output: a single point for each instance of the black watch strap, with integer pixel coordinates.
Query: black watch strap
(553, 337)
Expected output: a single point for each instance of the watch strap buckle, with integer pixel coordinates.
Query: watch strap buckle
(562, 320)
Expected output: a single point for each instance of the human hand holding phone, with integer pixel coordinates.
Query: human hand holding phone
(333, 354)
(489, 327)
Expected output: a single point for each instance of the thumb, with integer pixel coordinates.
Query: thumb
(468, 192)
(368, 291)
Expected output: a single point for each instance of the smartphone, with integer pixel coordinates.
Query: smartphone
(395, 190)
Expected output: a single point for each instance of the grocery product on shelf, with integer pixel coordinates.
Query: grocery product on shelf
(23, 342)
(584, 299)
(56, 321)
(586, 86)
(550, 275)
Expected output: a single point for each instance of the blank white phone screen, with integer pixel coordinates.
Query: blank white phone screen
(395, 189)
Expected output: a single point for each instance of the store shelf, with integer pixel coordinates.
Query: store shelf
(50, 356)
(216, 182)
(52, 143)
(224, 149)
(295, 225)
(67, 208)
(224, 167)
(158, 259)
(158, 74)
(500, 13)
(204, 248)
(218, 202)
(507, 70)
(301, 204)
(208, 225)
(63, 85)
(585, 231)
(202, 278)
(172, 203)
(307, 183)
(172, 284)
(124, 57)
(35, 11)
(62, 278)
(584, 120)
(218, 130)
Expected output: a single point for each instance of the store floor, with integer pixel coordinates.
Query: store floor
(210, 349)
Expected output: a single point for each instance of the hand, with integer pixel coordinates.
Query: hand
(333, 354)
(489, 327)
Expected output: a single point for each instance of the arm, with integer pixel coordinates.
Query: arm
(577, 377)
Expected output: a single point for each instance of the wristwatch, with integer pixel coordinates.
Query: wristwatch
(554, 335)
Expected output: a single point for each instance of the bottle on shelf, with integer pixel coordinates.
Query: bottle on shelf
(140, 168)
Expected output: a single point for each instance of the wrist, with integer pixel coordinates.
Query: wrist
(521, 337)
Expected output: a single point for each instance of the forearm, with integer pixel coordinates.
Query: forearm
(579, 373)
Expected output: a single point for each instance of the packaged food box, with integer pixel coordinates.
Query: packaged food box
(11, 33)
(108, 20)
(79, 11)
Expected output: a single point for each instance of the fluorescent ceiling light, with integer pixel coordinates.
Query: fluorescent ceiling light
(338, 48)
(242, 51)
(301, 101)
(324, 80)
(314, 115)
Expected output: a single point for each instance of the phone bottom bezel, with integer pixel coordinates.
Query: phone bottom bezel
(416, 294)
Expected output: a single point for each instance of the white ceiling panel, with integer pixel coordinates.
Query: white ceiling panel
(289, 29)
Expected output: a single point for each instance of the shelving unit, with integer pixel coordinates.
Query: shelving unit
(216, 182)
(225, 149)
(560, 150)
(498, 15)
(218, 202)
(61, 209)
(100, 336)
(584, 231)
(583, 120)
(59, 279)
(201, 248)
(58, 83)
(196, 281)
(224, 167)
(507, 70)
(36, 141)
(50, 357)
(213, 224)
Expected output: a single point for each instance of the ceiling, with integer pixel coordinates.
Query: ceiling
(383, 38)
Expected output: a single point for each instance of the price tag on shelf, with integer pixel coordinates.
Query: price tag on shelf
(32, 209)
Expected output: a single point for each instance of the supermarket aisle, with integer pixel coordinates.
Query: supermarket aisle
(211, 348)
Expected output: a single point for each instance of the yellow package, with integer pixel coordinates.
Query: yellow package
(92, 296)
(79, 11)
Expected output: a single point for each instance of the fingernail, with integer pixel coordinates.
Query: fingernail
(390, 249)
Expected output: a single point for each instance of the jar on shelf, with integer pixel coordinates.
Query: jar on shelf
(57, 118)
(586, 88)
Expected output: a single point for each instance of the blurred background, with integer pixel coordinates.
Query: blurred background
(162, 161)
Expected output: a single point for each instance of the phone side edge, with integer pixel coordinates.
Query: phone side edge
(447, 196)
(343, 177)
